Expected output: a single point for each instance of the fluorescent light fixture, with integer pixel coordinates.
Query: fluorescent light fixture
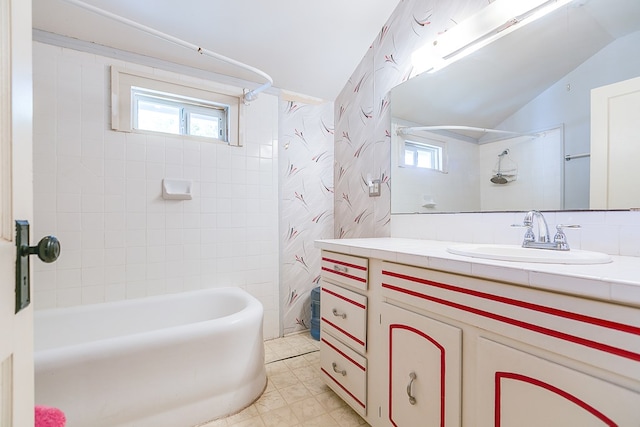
(489, 24)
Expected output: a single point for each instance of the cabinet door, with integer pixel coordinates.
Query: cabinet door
(423, 369)
(516, 388)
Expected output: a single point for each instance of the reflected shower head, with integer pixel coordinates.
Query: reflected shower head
(499, 179)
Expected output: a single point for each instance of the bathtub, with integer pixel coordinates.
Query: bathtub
(172, 360)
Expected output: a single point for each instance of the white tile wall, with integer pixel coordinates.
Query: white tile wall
(611, 232)
(100, 192)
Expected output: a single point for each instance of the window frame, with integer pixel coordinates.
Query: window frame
(416, 144)
(186, 107)
(206, 93)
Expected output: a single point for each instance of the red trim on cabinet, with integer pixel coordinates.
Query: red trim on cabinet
(342, 297)
(442, 369)
(522, 304)
(521, 324)
(519, 377)
(340, 273)
(342, 387)
(324, 319)
(337, 350)
(346, 264)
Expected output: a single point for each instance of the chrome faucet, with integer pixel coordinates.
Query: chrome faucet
(541, 238)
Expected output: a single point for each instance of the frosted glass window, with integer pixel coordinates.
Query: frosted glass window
(169, 113)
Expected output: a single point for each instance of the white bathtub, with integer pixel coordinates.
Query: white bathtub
(172, 360)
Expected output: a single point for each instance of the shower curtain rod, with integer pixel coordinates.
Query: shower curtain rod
(408, 130)
(248, 96)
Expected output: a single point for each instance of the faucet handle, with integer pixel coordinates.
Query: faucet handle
(560, 239)
(528, 235)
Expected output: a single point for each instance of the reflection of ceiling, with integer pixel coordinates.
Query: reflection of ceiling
(485, 88)
(307, 47)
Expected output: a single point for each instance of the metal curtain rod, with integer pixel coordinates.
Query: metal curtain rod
(408, 130)
(248, 96)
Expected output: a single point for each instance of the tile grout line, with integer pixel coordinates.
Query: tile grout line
(291, 357)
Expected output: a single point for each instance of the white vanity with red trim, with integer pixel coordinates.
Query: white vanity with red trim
(412, 335)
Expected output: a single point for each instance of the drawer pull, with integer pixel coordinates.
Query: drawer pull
(412, 377)
(340, 268)
(337, 314)
(334, 365)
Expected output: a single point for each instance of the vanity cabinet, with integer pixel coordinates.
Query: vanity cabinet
(407, 345)
(529, 358)
(343, 321)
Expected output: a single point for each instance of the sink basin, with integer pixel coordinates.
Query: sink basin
(520, 254)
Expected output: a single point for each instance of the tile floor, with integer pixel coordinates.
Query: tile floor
(295, 396)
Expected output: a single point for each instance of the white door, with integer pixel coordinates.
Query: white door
(615, 147)
(16, 329)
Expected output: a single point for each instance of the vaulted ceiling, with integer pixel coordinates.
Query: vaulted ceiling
(310, 48)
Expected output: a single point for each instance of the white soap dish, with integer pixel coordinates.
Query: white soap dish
(177, 189)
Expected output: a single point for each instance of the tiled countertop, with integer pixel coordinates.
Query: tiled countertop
(617, 281)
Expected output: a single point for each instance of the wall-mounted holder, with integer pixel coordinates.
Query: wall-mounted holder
(176, 189)
(374, 186)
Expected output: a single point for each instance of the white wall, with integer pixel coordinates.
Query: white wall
(539, 162)
(99, 191)
(616, 62)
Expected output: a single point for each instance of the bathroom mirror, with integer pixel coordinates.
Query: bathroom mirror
(535, 83)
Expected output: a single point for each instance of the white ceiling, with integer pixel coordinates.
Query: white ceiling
(307, 47)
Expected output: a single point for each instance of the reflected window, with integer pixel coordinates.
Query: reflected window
(423, 155)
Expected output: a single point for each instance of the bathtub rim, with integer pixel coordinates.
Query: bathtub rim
(106, 347)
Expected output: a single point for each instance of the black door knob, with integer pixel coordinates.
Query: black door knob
(48, 249)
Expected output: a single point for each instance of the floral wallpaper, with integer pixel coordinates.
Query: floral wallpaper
(306, 204)
(362, 112)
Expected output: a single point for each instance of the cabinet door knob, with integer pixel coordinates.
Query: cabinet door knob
(337, 314)
(412, 378)
(334, 365)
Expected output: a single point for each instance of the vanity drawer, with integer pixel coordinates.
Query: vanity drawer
(345, 269)
(343, 314)
(345, 371)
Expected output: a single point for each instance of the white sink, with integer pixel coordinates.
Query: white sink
(520, 254)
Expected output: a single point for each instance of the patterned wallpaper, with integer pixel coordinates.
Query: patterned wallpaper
(306, 204)
(362, 118)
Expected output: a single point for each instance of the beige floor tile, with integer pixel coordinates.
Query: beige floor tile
(330, 400)
(277, 367)
(295, 393)
(243, 415)
(316, 386)
(281, 417)
(307, 373)
(269, 401)
(347, 417)
(307, 409)
(251, 422)
(324, 420)
(283, 379)
(296, 362)
(312, 357)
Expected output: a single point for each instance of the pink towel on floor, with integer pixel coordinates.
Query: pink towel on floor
(49, 417)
